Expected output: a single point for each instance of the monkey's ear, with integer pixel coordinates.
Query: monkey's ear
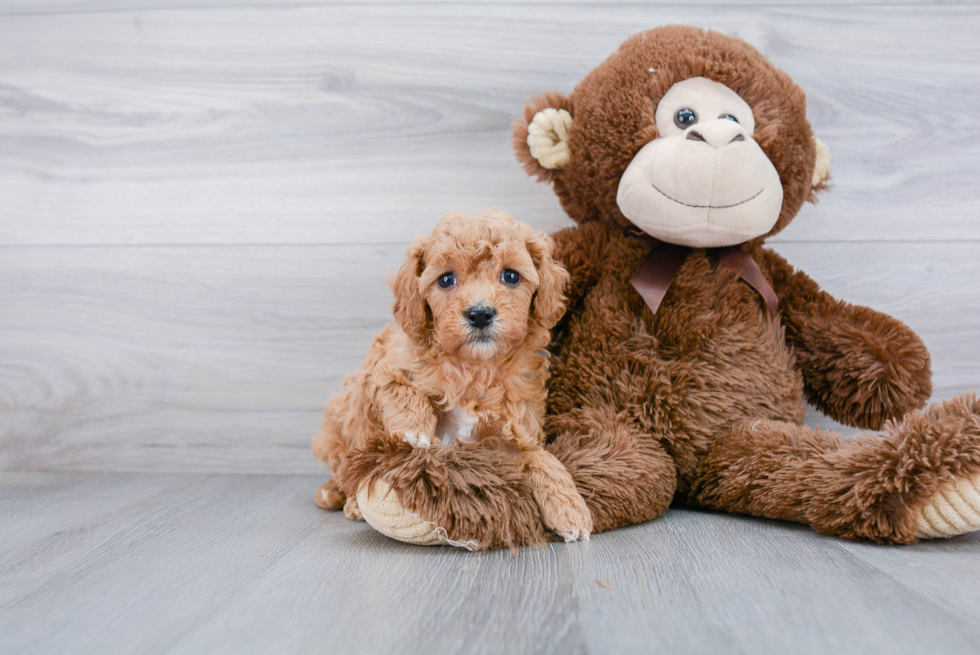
(410, 308)
(821, 169)
(541, 135)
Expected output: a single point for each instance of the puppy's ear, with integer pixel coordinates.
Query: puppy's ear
(548, 305)
(410, 308)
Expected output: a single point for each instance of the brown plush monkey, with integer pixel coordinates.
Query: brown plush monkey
(682, 365)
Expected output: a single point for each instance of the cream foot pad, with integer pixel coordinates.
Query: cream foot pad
(955, 510)
(384, 513)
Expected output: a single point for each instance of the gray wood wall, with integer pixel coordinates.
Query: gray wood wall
(200, 201)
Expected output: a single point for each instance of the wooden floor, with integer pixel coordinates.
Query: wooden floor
(199, 202)
(134, 563)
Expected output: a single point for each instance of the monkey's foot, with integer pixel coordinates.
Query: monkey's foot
(954, 510)
(383, 512)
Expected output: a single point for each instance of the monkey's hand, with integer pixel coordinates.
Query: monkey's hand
(861, 367)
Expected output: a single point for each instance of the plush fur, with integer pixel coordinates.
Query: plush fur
(703, 401)
(478, 495)
(438, 377)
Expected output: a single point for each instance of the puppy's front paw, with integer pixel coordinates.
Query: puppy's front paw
(567, 516)
(418, 440)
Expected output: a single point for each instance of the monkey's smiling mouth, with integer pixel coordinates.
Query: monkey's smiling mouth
(707, 206)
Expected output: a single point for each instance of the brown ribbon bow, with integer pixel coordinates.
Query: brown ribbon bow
(655, 274)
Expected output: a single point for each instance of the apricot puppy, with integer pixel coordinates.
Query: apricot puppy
(474, 303)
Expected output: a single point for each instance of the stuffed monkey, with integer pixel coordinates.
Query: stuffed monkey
(682, 367)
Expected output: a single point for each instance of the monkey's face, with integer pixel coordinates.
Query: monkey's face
(687, 134)
(703, 182)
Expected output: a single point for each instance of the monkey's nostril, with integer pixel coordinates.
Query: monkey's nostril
(480, 316)
(694, 135)
(738, 137)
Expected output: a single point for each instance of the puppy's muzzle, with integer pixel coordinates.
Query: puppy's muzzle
(480, 316)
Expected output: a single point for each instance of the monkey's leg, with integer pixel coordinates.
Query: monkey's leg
(480, 498)
(463, 495)
(918, 480)
(624, 475)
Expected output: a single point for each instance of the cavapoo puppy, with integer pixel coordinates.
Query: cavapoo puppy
(474, 302)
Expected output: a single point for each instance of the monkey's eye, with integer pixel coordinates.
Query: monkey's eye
(729, 117)
(685, 118)
(510, 277)
(447, 280)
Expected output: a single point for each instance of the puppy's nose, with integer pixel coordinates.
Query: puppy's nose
(480, 316)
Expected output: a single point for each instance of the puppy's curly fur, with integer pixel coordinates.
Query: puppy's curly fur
(474, 303)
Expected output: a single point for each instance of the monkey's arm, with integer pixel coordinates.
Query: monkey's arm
(406, 412)
(860, 367)
(579, 249)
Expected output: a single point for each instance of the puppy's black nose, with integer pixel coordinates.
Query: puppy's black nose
(480, 316)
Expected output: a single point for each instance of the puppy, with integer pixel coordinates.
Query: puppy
(474, 303)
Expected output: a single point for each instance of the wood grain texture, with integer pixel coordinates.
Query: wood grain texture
(347, 123)
(29, 7)
(198, 205)
(221, 358)
(137, 563)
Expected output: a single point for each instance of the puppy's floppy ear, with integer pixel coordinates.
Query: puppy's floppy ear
(541, 135)
(548, 305)
(410, 309)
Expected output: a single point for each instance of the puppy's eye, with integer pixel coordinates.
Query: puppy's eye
(685, 118)
(447, 280)
(729, 117)
(510, 277)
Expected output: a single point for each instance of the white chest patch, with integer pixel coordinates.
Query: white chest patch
(455, 425)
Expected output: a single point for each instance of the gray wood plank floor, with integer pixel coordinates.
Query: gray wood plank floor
(130, 563)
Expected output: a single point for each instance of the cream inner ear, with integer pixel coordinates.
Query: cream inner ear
(822, 167)
(547, 137)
